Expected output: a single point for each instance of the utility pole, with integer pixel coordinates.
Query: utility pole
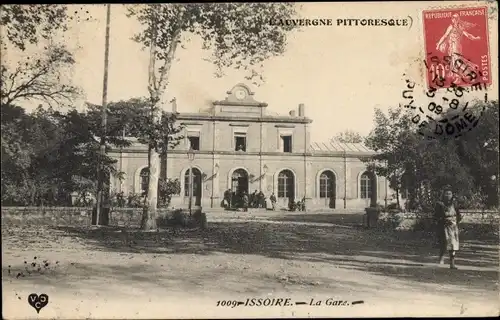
(102, 152)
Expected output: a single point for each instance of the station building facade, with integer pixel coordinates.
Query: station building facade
(239, 145)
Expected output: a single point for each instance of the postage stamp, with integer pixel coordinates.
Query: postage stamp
(457, 47)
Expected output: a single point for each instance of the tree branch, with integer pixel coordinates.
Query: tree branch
(38, 80)
(165, 70)
(152, 61)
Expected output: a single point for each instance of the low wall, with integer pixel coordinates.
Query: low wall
(408, 220)
(69, 216)
(132, 216)
(467, 215)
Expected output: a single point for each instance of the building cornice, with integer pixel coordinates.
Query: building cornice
(338, 154)
(237, 103)
(271, 119)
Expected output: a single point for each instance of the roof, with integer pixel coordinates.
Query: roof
(333, 145)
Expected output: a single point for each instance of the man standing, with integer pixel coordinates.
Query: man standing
(273, 200)
(447, 218)
(253, 199)
(261, 200)
(227, 198)
(245, 201)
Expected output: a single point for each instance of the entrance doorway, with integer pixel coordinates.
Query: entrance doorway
(327, 189)
(286, 188)
(239, 181)
(239, 185)
(197, 186)
(368, 188)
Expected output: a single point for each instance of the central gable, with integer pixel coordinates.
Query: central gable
(240, 100)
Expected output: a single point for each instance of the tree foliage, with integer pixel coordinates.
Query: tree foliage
(28, 24)
(349, 136)
(49, 154)
(160, 136)
(239, 35)
(422, 167)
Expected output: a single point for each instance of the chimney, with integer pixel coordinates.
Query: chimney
(174, 105)
(292, 113)
(301, 110)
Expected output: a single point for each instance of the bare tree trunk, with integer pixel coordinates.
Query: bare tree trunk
(145, 208)
(156, 90)
(152, 195)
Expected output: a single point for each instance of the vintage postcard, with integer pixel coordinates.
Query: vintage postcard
(250, 160)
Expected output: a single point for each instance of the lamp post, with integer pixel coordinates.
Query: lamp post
(264, 171)
(215, 171)
(190, 154)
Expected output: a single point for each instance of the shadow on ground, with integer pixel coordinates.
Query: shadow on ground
(348, 219)
(402, 255)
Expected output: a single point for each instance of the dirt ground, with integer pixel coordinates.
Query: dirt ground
(106, 273)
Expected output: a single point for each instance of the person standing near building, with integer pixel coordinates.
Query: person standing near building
(227, 199)
(261, 200)
(303, 204)
(245, 201)
(447, 217)
(273, 200)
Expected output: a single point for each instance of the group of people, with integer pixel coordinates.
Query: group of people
(297, 205)
(244, 200)
(257, 199)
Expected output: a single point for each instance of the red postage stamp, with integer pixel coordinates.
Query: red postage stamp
(457, 47)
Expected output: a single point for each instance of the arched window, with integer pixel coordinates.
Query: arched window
(239, 181)
(286, 184)
(144, 179)
(196, 183)
(326, 184)
(366, 186)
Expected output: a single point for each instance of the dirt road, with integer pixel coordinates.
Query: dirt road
(95, 275)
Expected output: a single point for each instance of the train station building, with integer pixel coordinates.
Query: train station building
(242, 146)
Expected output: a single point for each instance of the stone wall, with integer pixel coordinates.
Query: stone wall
(467, 215)
(409, 220)
(69, 216)
(73, 216)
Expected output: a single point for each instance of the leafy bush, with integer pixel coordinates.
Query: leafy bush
(179, 218)
(166, 189)
(117, 199)
(84, 199)
(135, 200)
(395, 218)
(393, 207)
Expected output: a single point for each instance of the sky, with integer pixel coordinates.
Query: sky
(340, 73)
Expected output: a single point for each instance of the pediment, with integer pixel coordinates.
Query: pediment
(240, 95)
